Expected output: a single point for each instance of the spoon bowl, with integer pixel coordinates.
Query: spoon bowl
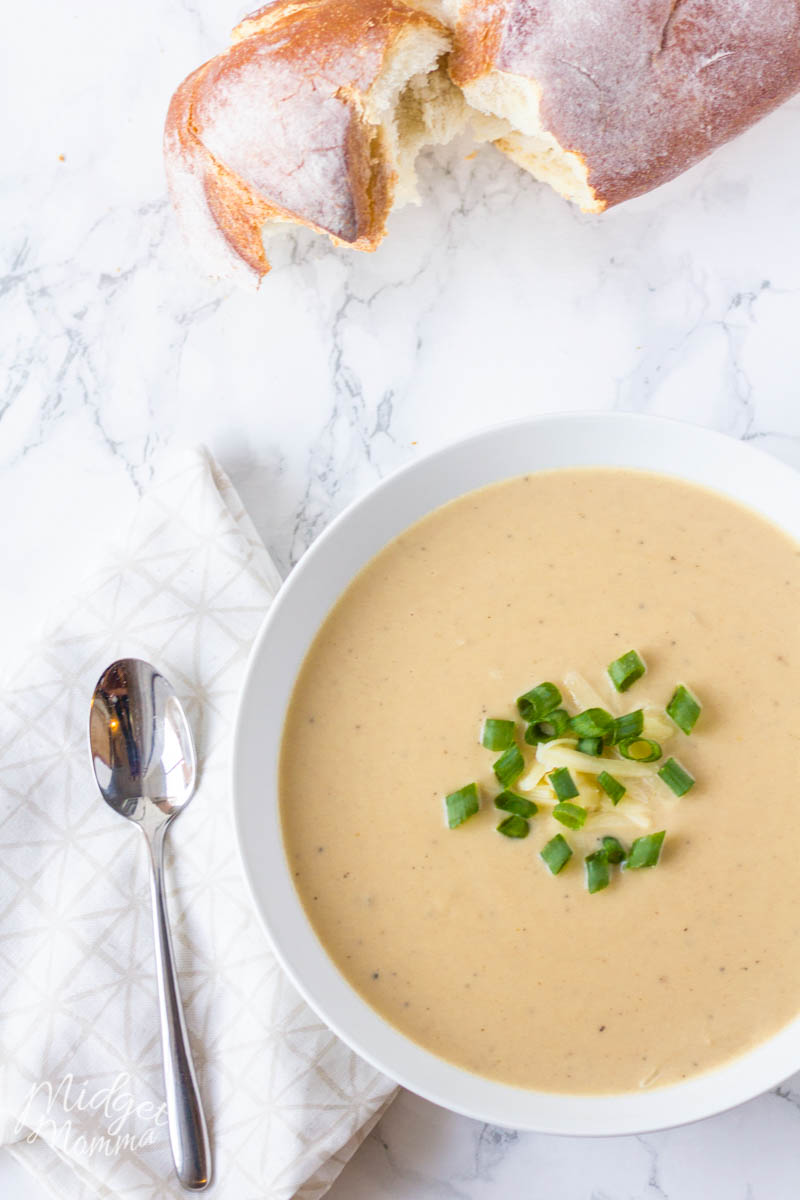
(145, 766)
(141, 744)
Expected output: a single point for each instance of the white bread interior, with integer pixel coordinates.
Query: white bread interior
(445, 11)
(516, 102)
(415, 104)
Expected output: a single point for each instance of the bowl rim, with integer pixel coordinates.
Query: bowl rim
(735, 467)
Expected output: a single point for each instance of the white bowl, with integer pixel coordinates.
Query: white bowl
(621, 440)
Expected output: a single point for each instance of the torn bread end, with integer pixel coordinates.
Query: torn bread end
(516, 102)
(415, 104)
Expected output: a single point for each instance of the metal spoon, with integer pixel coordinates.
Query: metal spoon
(144, 763)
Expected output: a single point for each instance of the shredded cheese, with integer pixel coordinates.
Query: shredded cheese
(657, 724)
(583, 695)
(561, 753)
(628, 812)
(535, 776)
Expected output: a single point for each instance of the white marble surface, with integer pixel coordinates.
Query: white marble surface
(493, 300)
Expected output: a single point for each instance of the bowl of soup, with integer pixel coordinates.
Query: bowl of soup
(516, 768)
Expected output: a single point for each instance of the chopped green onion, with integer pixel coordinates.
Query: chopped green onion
(627, 726)
(562, 783)
(684, 709)
(511, 802)
(549, 727)
(625, 670)
(461, 804)
(597, 871)
(615, 852)
(590, 745)
(509, 766)
(594, 722)
(539, 701)
(640, 749)
(611, 786)
(556, 853)
(497, 734)
(645, 851)
(676, 778)
(571, 815)
(514, 827)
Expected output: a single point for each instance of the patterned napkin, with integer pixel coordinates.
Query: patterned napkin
(80, 1058)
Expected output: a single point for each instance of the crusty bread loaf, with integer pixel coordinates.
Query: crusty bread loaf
(312, 117)
(316, 113)
(606, 100)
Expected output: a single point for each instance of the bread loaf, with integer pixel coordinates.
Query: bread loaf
(313, 117)
(316, 113)
(606, 99)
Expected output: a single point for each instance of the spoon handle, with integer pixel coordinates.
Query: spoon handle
(188, 1134)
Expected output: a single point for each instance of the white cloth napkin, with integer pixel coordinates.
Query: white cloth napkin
(80, 1057)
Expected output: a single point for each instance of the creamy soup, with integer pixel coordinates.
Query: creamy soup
(462, 938)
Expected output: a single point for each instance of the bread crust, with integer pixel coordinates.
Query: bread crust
(274, 130)
(639, 90)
